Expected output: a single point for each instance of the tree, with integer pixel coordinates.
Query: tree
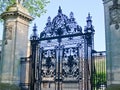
(35, 7)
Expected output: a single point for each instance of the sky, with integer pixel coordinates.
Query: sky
(80, 8)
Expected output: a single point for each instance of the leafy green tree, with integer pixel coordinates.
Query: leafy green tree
(35, 7)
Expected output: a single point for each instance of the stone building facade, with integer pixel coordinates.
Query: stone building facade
(112, 32)
(0, 48)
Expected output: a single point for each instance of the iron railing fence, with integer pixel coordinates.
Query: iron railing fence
(99, 81)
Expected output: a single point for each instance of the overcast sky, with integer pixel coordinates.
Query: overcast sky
(80, 8)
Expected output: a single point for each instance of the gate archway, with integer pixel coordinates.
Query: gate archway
(61, 56)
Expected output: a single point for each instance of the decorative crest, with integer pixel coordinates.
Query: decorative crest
(89, 26)
(34, 35)
(61, 25)
(49, 19)
(59, 10)
(48, 28)
(89, 17)
(35, 30)
(71, 15)
(48, 22)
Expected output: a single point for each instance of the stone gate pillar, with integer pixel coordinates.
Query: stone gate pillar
(112, 32)
(14, 44)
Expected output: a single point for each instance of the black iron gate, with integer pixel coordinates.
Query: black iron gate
(61, 57)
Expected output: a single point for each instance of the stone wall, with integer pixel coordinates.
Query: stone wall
(112, 32)
(0, 49)
(14, 43)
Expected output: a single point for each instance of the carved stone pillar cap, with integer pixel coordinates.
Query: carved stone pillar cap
(18, 10)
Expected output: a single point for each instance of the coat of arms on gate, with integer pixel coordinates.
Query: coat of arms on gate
(114, 12)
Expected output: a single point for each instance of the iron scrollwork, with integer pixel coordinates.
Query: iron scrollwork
(48, 64)
(70, 63)
(61, 25)
(62, 58)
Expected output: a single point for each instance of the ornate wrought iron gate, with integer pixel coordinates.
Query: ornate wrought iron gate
(61, 56)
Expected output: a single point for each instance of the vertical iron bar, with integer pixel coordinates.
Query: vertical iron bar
(59, 64)
(59, 68)
(34, 44)
(40, 68)
(30, 65)
(92, 70)
(33, 66)
(87, 65)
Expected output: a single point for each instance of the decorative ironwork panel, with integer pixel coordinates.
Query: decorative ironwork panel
(48, 65)
(70, 64)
